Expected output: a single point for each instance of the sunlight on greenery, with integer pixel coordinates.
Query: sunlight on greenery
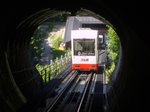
(55, 42)
(112, 47)
(48, 72)
(37, 39)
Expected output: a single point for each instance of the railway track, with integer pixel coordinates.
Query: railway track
(74, 94)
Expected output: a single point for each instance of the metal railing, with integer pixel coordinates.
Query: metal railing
(47, 72)
(55, 68)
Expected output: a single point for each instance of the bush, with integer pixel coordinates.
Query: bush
(112, 51)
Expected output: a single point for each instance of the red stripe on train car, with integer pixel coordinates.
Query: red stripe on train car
(85, 67)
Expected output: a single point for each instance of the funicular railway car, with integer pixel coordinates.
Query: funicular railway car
(84, 46)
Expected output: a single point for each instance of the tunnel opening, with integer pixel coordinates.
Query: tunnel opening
(78, 21)
(21, 67)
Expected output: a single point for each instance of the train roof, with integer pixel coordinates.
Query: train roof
(77, 22)
(88, 20)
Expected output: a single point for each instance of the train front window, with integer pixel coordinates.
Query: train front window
(84, 47)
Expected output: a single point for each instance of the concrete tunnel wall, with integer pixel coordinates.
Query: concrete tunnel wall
(124, 92)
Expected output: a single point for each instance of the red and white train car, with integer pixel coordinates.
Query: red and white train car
(84, 46)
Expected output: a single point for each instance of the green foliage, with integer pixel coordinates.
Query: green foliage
(52, 36)
(47, 72)
(112, 50)
(50, 27)
(110, 69)
(55, 49)
(58, 53)
(61, 17)
(39, 68)
(55, 42)
(113, 41)
(44, 71)
(36, 41)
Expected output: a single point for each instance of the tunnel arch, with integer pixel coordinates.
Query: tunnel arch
(121, 86)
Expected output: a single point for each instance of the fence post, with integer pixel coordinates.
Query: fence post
(45, 75)
(56, 66)
(49, 74)
(52, 69)
(65, 60)
(61, 64)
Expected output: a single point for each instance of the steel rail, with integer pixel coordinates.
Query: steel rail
(55, 100)
(84, 93)
(68, 95)
(88, 103)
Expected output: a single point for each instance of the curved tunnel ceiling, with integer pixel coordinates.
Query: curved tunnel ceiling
(126, 93)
